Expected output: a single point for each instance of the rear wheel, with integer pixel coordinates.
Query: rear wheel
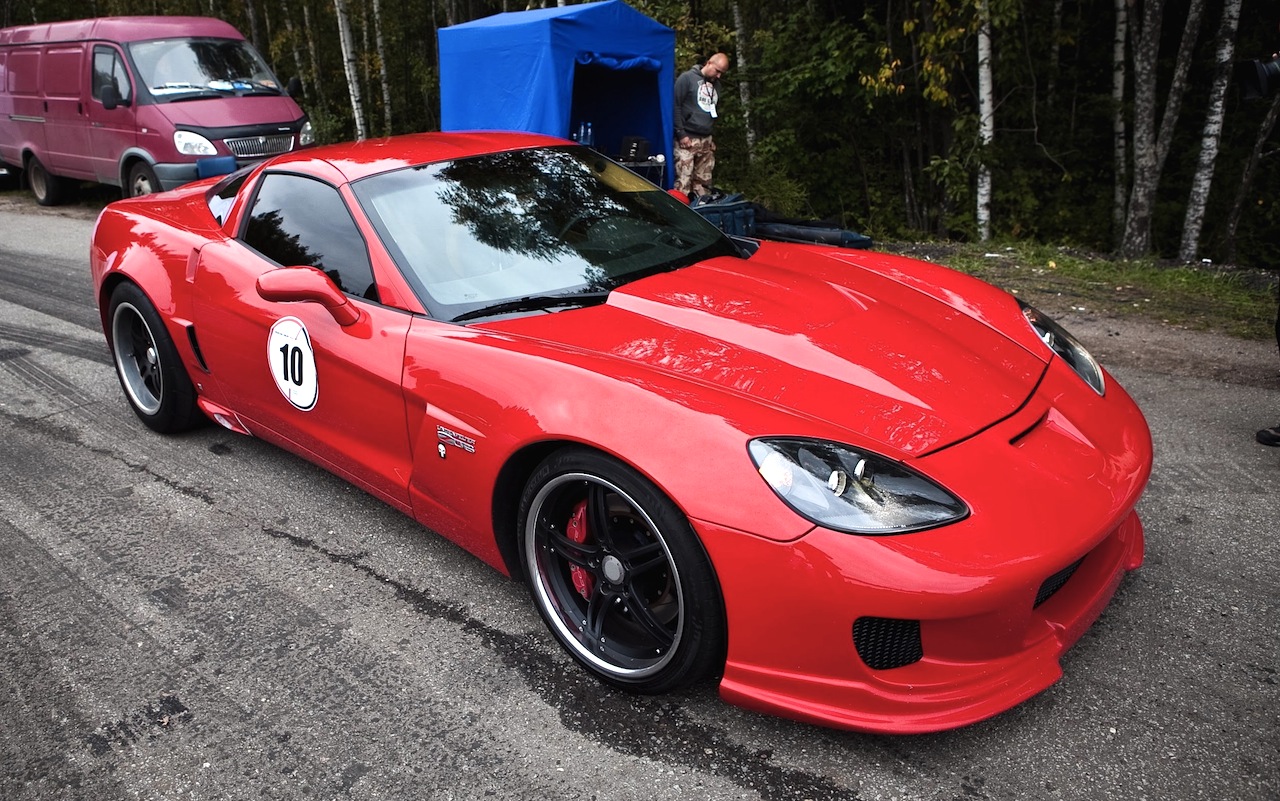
(142, 180)
(49, 190)
(148, 365)
(618, 574)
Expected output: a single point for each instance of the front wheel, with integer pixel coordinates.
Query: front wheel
(142, 180)
(148, 365)
(618, 574)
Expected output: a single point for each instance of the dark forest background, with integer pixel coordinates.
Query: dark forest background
(867, 113)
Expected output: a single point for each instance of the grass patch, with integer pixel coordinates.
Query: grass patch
(1235, 301)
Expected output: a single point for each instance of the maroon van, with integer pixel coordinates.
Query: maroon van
(144, 103)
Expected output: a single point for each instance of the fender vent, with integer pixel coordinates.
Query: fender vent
(1056, 581)
(885, 642)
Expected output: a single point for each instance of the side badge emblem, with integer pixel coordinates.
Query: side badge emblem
(448, 437)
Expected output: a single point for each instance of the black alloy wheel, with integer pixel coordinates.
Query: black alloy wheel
(147, 363)
(618, 574)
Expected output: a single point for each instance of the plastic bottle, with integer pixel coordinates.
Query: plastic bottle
(591, 137)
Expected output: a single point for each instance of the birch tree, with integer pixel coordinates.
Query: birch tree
(382, 67)
(744, 85)
(312, 51)
(1212, 134)
(1151, 145)
(986, 121)
(1119, 127)
(349, 67)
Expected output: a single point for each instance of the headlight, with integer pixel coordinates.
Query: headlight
(848, 490)
(1066, 346)
(306, 136)
(193, 144)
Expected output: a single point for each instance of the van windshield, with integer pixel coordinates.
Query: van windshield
(187, 69)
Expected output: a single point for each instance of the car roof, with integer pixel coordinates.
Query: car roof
(356, 160)
(118, 29)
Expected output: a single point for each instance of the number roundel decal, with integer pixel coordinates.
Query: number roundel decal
(293, 362)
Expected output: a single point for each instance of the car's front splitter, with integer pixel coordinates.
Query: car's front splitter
(805, 663)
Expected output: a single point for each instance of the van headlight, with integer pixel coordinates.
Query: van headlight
(190, 143)
(851, 490)
(306, 136)
(1065, 346)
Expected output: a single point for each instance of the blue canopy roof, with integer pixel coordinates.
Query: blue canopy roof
(550, 70)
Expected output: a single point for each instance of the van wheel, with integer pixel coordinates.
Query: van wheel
(142, 180)
(50, 190)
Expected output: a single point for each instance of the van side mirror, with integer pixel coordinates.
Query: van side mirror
(111, 97)
(294, 87)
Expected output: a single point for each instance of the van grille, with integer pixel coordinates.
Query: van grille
(257, 146)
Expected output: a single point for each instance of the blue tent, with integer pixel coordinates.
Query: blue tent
(551, 70)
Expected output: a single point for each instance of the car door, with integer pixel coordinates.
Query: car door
(66, 126)
(291, 371)
(112, 131)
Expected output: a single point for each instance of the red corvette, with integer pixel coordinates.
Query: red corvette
(864, 491)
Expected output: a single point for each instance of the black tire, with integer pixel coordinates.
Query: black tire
(49, 190)
(635, 600)
(147, 363)
(142, 180)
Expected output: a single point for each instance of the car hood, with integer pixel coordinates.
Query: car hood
(846, 346)
(224, 112)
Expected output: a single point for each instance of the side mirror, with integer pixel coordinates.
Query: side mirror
(111, 97)
(307, 284)
(294, 87)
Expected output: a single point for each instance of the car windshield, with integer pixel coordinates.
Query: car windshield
(538, 229)
(185, 69)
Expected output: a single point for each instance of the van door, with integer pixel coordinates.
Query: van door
(112, 131)
(66, 126)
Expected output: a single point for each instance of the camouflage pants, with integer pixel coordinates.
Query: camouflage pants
(693, 165)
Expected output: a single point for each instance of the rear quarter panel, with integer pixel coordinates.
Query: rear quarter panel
(153, 242)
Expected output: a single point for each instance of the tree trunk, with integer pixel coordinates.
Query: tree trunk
(744, 85)
(255, 36)
(314, 53)
(1178, 86)
(293, 45)
(349, 67)
(1212, 135)
(1119, 130)
(1055, 54)
(1246, 178)
(986, 121)
(382, 67)
(1150, 151)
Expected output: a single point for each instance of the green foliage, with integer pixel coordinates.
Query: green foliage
(861, 111)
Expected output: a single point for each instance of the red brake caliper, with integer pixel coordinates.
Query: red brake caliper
(576, 531)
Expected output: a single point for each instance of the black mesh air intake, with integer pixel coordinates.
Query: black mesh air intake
(1055, 582)
(885, 642)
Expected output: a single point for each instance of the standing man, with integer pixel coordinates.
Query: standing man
(696, 98)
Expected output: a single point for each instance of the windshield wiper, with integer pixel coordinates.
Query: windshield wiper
(535, 303)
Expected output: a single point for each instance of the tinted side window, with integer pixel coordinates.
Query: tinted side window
(108, 70)
(296, 220)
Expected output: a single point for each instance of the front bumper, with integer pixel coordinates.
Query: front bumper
(993, 601)
(974, 666)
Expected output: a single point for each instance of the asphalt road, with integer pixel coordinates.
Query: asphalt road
(208, 617)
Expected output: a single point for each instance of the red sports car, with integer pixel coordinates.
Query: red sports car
(864, 491)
